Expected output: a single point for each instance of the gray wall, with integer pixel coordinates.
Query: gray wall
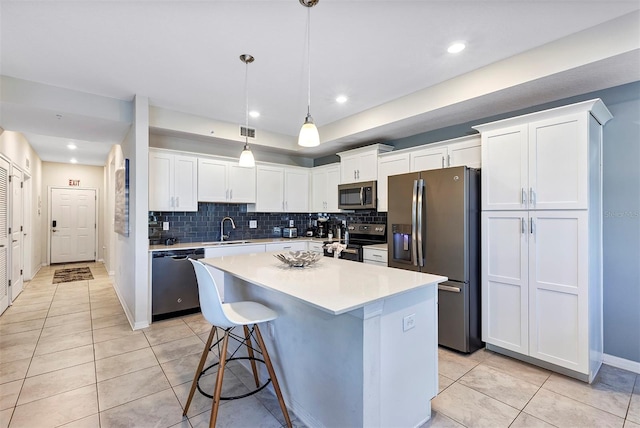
(621, 206)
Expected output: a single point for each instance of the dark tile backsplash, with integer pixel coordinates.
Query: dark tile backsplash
(204, 225)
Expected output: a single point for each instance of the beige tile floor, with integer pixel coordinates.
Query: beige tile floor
(69, 358)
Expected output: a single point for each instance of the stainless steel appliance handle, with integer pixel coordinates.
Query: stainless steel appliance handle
(414, 208)
(448, 288)
(361, 196)
(421, 190)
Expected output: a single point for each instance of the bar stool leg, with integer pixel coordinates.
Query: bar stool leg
(199, 370)
(218, 391)
(272, 374)
(250, 351)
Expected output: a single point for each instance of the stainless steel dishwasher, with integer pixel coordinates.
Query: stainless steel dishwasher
(174, 287)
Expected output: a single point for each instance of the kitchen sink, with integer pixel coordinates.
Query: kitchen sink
(225, 243)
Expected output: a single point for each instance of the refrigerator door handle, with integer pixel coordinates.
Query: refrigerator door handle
(448, 288)
(414, 205)
(421, 190)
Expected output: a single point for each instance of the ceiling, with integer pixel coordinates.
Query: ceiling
(183, 56)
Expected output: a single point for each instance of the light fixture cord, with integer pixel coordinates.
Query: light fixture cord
(309, 60)
(246, 99)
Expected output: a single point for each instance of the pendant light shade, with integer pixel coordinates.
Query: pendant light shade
(309, 136)
(246, 157)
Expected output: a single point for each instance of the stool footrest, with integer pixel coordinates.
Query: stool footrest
(258, 389)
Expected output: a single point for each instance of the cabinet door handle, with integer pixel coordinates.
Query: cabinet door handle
(177, 201)
(523, 196)
(354, 174)
(172, 203)
(226, 194)
(231, 194)
(523, 226)
(376, 255)
(442, 161)
(358, 174)
(532, 196)
(533, 229)
(448, 160)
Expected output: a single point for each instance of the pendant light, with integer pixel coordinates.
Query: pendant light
(246, 157)
(308, 136)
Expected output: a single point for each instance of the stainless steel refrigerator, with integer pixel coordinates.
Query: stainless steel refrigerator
(434, 226)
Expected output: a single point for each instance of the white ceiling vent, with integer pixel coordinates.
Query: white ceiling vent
(247, 132)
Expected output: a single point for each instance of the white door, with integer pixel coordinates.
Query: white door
(426, 159)
(270, 189)
(505, 296)
(212, 181)
(73, 225)
(160, 181)
(296, 190)
(319, 190)
(558, 288)
(333, 180)
(16, 234)
(467, 153)
(4, 235)
(387, 166)
(558, 163)
(186, 183)
(242, 184)
(505, 169)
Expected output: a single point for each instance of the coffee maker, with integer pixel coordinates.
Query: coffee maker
(322, 229)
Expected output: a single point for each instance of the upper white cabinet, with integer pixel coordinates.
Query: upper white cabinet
(361, 164)
(390, 164)
(324, 188)
(281, 189)
(173, 181)
(538, 162)
(542, 236)
(296, 190)
(455, 152)
(225, 181)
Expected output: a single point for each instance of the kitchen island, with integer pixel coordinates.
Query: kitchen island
(354, 345)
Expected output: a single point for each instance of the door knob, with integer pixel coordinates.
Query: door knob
(53, 230)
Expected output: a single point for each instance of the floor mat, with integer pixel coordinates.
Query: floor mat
(73, 274)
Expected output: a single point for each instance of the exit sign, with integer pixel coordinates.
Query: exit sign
(74, 182)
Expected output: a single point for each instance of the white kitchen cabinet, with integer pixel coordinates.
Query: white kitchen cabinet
(542, 253)
(173, 181)
(390, 164)
(361, 164)
(539, 164)
(374, 256)
(225, 181)
(286, 246)
(324, 188)
(281, 189)
(269, 189)
(456, 152)
(296, 190)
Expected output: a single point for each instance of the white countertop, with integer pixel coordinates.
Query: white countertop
(332, 285)
(384, 246)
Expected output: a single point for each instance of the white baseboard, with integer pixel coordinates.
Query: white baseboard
(621, 363)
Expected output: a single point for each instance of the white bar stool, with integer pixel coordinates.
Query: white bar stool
(228, 316)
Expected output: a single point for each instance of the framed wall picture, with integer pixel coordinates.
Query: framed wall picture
(121, 223)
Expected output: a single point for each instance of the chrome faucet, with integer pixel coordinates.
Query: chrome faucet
(222, 235)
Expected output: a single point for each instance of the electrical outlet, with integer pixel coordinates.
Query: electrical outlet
(408, 322)
(165, 225)
(291, 223)
(253, 224)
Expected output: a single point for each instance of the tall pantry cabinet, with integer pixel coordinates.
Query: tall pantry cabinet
(542, 237)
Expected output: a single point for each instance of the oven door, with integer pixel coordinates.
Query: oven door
(352, 253)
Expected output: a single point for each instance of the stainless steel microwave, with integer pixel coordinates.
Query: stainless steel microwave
(357, 196)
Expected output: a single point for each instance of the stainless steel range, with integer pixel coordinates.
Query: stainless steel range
(360, 235)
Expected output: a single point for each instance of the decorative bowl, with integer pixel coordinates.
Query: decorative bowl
(299, 258)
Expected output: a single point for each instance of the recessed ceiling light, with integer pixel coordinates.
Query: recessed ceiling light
(341, 99)
(73, 160)
(456, 47)
(254, 113)
(71, 146)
